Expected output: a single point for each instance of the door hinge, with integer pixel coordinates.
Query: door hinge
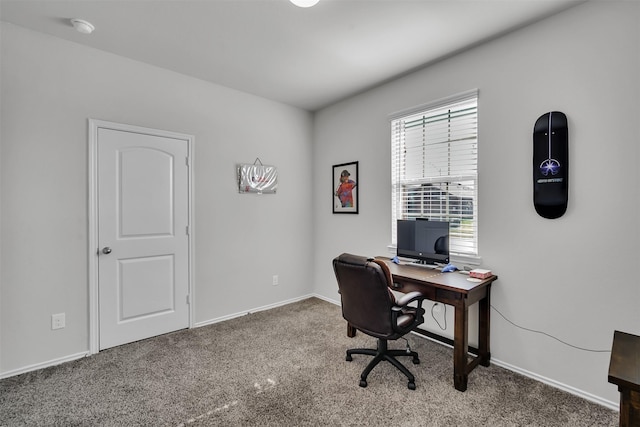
(186, 161)
(188, 299)
(186, 229)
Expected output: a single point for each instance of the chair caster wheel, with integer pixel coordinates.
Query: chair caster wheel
(416, 361)
(363, 383)
(411, 386)
(348, 358)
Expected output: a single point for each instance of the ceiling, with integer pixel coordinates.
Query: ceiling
(305, 57)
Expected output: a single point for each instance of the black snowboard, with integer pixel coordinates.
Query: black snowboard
(551, 165)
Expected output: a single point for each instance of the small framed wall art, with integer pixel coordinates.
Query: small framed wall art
(345, 188)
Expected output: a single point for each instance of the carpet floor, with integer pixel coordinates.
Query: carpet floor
(281, 367)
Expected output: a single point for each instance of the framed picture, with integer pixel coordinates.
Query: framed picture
(345, 188)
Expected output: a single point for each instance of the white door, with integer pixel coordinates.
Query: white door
(143, 242)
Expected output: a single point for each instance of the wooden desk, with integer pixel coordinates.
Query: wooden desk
(453, 289)
(624, 371)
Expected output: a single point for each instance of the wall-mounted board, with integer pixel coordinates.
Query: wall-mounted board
(551, 165)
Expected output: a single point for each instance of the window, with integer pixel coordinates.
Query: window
(434, 156)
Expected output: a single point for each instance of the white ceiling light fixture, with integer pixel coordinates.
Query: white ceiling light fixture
(304, 3)
(82, 26)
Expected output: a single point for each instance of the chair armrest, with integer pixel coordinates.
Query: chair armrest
(405, 318)
(406, 299)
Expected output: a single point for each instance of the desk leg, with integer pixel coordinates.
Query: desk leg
(629, 407)
(460, 348)
(484, 314)
(351, 330)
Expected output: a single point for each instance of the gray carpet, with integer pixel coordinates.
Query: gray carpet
(281, 367)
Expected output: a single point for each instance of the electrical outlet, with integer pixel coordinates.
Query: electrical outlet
(57, 321)
(274, 282)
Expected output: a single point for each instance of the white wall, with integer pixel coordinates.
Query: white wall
(572, 277)
(50, 88)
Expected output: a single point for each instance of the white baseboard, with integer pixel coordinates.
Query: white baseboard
(77, 356)
(332, 301)
(253, 310)
(572, 390)
(42, 365)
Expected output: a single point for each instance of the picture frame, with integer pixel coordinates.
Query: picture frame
(345, 188)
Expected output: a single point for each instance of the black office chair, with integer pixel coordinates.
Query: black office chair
(441, 246)
(369, 305)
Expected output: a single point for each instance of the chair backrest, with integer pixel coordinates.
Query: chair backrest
(365, 294)
(442, 245)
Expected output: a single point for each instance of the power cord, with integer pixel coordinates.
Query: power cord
(514, 324)
(548, 335)
(444, 316)
(408, 347)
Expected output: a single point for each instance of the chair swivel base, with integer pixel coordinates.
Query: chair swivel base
(383, 353)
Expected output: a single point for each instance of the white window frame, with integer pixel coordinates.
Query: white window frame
(450, 175)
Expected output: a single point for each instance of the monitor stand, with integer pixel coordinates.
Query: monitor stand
(424, 264)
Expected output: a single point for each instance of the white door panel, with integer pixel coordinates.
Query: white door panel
(146, 287)
(143, 199)
(146, 193)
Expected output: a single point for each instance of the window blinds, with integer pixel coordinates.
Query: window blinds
(434, 167)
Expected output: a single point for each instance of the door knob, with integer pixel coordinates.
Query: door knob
(106, 250)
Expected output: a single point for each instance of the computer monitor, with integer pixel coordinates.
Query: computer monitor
(423, 240)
